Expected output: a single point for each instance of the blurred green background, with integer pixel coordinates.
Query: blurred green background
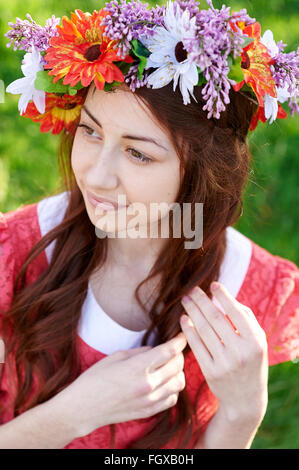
(28, 172)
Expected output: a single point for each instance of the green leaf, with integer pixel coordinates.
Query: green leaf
(201, 78)
(109, 86)
(139, 49)
(72, 92)
(123, 66)
(247, 41)
(142, 53)
(236, 72)
(44, 82)
(230, 61)
(78, 86)
(141, 67)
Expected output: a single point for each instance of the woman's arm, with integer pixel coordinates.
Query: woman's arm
(225, 433)
(93, 399)
(46, 426)
(233, 358)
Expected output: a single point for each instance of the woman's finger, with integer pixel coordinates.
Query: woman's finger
(213, 315)
(168, 370)
(202, 355)
(203, 328)
(241, 316)
(162, 353)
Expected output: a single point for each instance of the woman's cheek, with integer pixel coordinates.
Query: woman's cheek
(75, 168)
(79, 160)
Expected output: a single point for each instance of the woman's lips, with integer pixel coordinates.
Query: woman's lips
(103, 205)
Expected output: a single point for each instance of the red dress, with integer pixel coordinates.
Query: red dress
(270, 287)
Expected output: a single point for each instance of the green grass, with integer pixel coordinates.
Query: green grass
(28, 171)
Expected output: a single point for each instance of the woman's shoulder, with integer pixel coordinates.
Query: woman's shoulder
(270, 288)
(249, 266)
(31, 221)
(47, 209)
(17, 230)
(268, 274)
(20, 230)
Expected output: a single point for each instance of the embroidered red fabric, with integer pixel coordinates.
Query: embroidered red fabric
(270, 289)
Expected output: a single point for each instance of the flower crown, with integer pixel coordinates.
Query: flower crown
(127, 42)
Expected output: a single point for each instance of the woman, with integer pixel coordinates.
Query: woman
(103, 347)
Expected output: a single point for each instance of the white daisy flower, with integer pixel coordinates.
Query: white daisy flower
(268, 40)
(31, 64)
(271, 108)
(168, 54)
(270, 103)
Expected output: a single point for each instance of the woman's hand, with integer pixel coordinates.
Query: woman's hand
(127, 385)
(231, 352)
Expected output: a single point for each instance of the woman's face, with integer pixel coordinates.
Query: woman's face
(125, 153)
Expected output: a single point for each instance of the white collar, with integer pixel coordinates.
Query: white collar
(95, 327)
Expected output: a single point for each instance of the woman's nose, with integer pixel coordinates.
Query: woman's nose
(103, 171)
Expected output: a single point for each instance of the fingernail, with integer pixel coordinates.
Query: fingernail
(195, 289)
(186, 320)
(186, 299)
(215, 286)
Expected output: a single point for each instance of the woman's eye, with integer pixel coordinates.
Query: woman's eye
(86, 129)
(142, 159)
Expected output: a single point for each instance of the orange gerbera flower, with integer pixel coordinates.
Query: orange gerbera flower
(61, 112)
(255, 64)
(83, 53)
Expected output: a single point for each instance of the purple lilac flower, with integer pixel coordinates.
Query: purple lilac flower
(130, 21)
(214, 40)
(132, 79)
(25, 34)
(209, 45)
(281, 46)
(190, 5)
(286, 73)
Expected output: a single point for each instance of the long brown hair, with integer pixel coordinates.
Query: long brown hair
(44, 315)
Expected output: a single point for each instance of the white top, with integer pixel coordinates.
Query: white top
(95, 327)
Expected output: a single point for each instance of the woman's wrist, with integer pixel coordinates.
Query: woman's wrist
(228, 431)
(247, 417)
(64, 407)
(61, 407)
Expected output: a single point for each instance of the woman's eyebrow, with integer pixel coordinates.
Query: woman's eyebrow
(131, 137)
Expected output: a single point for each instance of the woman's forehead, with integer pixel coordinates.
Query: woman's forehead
(121, 109)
